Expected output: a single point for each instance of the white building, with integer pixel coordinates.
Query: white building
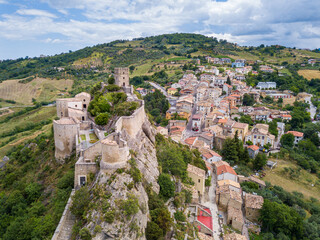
(298, 136)
(266, 85)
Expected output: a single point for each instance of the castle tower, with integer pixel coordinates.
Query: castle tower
(113, 154)
(65, 132)
(121, 76)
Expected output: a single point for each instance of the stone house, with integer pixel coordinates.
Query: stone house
(197, 122)
(198, 177)
(234, 186)
(260, 136)
(298, 136)
(210, 156)
(242, 129)
(234, 236)
(253, 204)
(226, 197)
(235, 218)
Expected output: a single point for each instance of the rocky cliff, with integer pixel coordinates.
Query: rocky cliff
(119, 209)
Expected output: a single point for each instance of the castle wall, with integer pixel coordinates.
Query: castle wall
(85, 125)
(132, 124)
(75, 104)
(93, 151)
(64, 138)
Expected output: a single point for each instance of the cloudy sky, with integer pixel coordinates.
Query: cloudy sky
(34, 27)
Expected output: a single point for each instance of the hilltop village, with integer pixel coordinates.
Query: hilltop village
(204, 113)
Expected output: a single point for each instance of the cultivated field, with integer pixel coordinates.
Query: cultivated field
(309, 74)
(41, 89)
(306, 183)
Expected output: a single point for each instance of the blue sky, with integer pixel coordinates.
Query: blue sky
(34, 27)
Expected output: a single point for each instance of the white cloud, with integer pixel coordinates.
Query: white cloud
(36, 13)
(243, 21)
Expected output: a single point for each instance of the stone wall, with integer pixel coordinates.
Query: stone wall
(132, 124)
(67, 220)
(92, 152)
(62, 108)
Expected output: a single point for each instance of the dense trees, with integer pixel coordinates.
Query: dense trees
(157, 105)
(248, 100)
(167, 187)
(287, 140)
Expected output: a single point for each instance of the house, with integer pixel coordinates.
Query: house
(172, 91)
(267, 85)
(264, 68)
(227, 88)
(253, 179)
(237, 64)
(253, 204)
(260, 136)
(198, 176)
(241, 128)
(181, 123)
(176, 85)
(226, 172)
(219, 81)
(298, 136)
(142, 91)
(260, 115)
(253, 151)
(286, 117)
(197, 122)
(185, 102)
(234, 236)
(219, 141)
(226, 197)
(210, 155)
(235, 218)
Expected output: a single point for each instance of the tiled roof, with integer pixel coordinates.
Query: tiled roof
(228, 182)
(225, 169)
(295, 133)
(190, 140)
(253, 147)
(253, 201)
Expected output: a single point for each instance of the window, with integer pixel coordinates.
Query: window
(84, 100)
(76, 105)
(82, 180)
(262, 137)
(198, 180)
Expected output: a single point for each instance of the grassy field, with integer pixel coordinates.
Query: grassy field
(303, 183)
(34, 116)
(309, 74)
(41, 89)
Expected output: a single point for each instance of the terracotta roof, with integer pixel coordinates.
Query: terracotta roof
(140, 88)
(295, 133)
(253, 147)
(223, 120)
(286, 116)
(190, 140)
(197, 171)
(173, 89)
(225, 169)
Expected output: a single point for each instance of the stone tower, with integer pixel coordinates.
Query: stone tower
(65, 132)
(121, 76)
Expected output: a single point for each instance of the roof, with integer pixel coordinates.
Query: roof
(240, 125)
(207, 153)
(257, 180)
(225, 169)
(66, 121)
(220, 163)
(205, 220)
(228, 182)
(253, 147)
(253, 201)
(139, 89)
(222, 120)
(197, 116)
(234, 236)
(286, 116)
(172, 89)
(197, 171)
(190, 140)
(295, 133)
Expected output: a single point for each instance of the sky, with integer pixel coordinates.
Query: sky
(34, 27)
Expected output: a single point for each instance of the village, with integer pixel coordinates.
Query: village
(203, 117)
(205, 108)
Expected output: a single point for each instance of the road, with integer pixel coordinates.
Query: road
(211, 204)
(157, 86)
(312, 110)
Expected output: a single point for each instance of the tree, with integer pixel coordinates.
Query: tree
(259, 161)
(153, 231)
(228, 80)
(229, 151)
(248, 100)
(287, 140)
(102, 119)
(167, 187)
(162, 217)
(80, 202)
(111, 80)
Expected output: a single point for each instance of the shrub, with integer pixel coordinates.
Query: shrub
(130, 206)
(85, 234)
(153, 231)
(112, 88)
(80, 202)
(111, 80)
(102, 119)
(167, 187)
(179, 216)
(66, 181)
(109, 216)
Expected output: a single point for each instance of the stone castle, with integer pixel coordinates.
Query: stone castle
(75, 131)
